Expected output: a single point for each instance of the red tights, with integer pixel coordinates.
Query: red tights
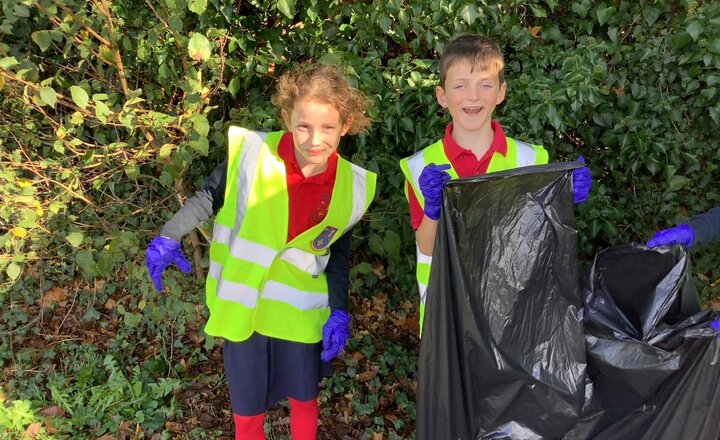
(303, 422)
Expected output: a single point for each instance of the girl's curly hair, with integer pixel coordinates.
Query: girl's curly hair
(327, 83)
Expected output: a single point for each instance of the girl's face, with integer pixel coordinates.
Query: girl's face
(316, 128)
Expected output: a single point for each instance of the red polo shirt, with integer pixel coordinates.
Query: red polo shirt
(463, 161)
(309, 197)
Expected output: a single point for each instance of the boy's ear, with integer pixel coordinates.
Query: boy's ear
(286, 119)
(440, 95)
(501, 95)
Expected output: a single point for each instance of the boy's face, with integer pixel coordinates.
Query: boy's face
(470, 95)
(317, 128)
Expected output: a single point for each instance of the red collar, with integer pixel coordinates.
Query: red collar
(286, 151)
(453, 149)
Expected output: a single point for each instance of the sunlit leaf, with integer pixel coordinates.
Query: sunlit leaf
(79, 96)
(48, 95)
(199, 47)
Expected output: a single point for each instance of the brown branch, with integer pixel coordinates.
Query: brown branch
(222, 65)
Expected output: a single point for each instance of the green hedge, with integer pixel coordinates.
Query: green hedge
(112, 113)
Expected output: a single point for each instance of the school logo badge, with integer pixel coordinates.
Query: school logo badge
(323, 239)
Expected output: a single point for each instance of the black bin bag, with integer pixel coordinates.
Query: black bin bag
(502, 352)
(653, 361)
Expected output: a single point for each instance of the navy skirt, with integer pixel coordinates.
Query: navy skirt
(262, 371)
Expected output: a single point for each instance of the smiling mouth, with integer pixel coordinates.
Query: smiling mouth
(472, 110)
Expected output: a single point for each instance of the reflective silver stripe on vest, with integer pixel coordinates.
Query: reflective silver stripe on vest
(305, 261)
(422, 259)
(237, 292)
(359, 187)
(300, 299)
(416, 163)
(264, 255)
(526, 154)
(252, 145)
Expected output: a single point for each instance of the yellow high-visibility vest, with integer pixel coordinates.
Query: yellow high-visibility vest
(518, 154)
(257, 281)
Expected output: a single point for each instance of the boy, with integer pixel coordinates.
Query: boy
(472, 84)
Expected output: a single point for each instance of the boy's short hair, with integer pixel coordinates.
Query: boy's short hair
(475, 49)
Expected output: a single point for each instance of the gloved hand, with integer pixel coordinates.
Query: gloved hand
(432, 181)
(582, 181)
(680, 234)
(161, 252)
(715, 325)
(335, 333)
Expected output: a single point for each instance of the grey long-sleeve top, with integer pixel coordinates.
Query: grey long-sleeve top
(210, 198)
(706, 226)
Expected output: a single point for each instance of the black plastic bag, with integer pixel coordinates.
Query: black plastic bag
(653, 362)
(502, 353)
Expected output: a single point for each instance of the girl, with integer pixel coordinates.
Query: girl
(277, 287)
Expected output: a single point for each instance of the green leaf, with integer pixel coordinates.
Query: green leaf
(234, 86)
(13, 270)
(42, 39)
(714, 45)
(694, 29)
(538, 11)
(650, 14)
(85, 261)
(581, 8)
(79, 96)
(75, 238)
(8, 62)
(392, 243)
(132, 171)
(470, 13)
(604, 13)
(48, 95)
(199, 47)
(102, 111)
(676, 183)
(165, 151)
(197, 6)
(201, 124)
(287, 7)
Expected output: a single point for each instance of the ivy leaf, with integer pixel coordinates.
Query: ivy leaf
(469, 13)
(199, 47)
(79, 96)
(13, 270)
(604, 13)
(287, 7)
(538, 11)
(85, 261)
(676, 183)
(197, 6)
(75, 238)
(47, 94)
(42, 39)
(694, 29)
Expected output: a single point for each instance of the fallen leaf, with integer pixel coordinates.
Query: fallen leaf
(535, 31)
(54, 295)
(52, 411)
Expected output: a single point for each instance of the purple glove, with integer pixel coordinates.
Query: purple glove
(162, 252)
(432, 180)
(715, 325)
(680, 234)
(582, 181)
(335, 333)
